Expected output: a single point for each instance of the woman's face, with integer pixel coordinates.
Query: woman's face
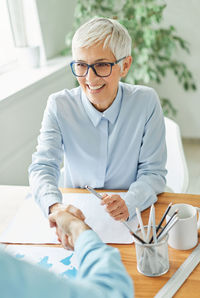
(101, 91)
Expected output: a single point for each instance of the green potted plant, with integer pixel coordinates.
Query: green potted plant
(153, 48)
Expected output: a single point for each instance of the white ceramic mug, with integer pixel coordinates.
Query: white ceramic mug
(184, 234)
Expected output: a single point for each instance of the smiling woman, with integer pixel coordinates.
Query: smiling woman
(111, 134)
(99, 79)
(102, 43)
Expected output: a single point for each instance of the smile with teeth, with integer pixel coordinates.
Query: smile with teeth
(95, 87)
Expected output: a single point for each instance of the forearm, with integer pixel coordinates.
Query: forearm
(45, 191)
(45, 168)
(102, 267)
(143, 192)
(101, 274)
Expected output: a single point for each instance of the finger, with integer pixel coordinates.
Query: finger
(114, 206)
(107, 200)
(116, 211)
(58, 233)
(80, 214)
(117, 204)
(52, 220)
(67, 242)
(104, 195)
(52, 224)
(62, 238)
(70, 241)
(75, 211)
(120, 217)
(112, 198)
(64, 241)
(123, 215)
(59, 240)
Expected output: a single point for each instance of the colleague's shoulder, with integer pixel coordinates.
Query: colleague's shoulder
(139, 93)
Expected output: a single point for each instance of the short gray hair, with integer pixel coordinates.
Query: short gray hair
(109, 31)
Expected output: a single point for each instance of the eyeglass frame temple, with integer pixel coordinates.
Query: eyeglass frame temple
(92, 66)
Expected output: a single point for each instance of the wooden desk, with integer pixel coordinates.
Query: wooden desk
(144, 286)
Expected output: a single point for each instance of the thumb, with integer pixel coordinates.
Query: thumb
(75, 212)
(52, 221)
(104, 195)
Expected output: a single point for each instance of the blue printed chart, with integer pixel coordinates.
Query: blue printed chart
(56, 259)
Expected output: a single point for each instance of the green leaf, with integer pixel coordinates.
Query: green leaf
(186, 86)
(194, 87)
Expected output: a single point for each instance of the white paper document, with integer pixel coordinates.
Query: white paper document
(58, 260)
(30, 225)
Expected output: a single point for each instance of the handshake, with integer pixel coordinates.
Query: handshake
(69, 224)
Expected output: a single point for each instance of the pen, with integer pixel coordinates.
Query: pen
(172, 223)
(167, 224)
(149, 225)
(154, 224)
(164, 215)
(99, 196)
(140, 222)
(161, 221)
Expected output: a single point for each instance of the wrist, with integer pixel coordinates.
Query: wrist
(56, 207)
(77, 228)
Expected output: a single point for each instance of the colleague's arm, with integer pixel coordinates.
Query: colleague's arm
(45, 168)
(101, 272)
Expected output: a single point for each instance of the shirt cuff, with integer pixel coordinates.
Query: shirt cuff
(137, 199)
(47, 201)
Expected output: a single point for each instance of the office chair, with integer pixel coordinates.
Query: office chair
(177, 176)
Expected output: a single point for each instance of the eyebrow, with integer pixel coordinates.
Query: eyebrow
(96, 61)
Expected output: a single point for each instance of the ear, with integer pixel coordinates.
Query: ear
(126, 66)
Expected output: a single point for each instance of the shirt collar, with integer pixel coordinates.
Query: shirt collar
(110, 114)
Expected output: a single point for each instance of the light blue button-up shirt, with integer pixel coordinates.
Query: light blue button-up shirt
(101, 274)
(120, 148)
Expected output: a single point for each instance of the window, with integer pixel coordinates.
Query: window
(7, 48)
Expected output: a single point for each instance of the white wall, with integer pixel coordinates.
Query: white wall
(20, 122)
(56, 18)
(185, 16)
(21, 114)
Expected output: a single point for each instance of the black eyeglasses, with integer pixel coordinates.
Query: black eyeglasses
(101, 69)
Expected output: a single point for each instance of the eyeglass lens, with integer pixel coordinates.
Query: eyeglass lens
(102, 69)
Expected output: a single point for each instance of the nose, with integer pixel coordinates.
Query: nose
(91, 74)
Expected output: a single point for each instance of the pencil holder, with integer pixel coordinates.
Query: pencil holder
(152, 259)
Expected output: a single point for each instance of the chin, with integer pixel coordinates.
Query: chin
(94, 100)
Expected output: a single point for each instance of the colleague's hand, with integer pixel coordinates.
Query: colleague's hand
(56, 207)
(115, 206)
(69, 225)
